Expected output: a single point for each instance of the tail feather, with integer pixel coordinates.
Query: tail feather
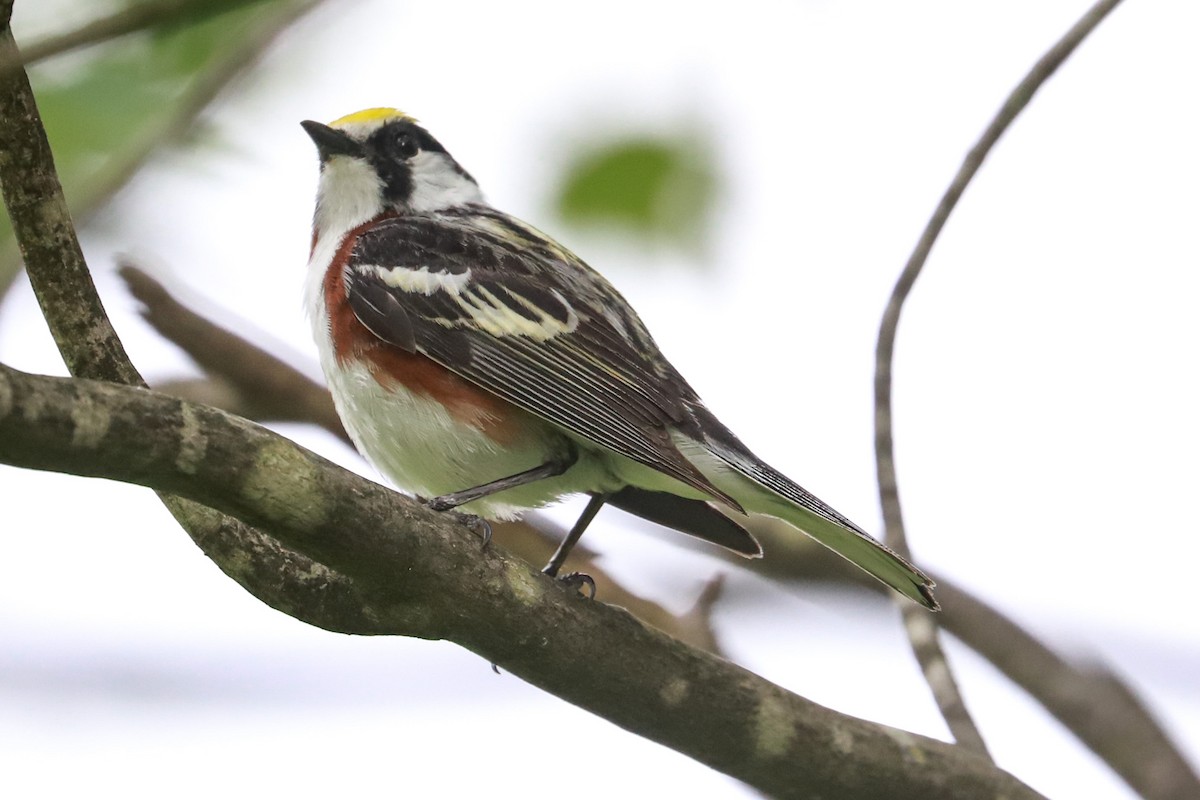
(695, 517)
(861, 549)
(767, 491)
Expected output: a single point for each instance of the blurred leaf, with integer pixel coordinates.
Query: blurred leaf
(107, 113)
(658, 189)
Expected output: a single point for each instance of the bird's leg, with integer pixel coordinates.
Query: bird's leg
(564, 549)
(548, 470)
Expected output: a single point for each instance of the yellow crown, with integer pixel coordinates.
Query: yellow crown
(368, 115)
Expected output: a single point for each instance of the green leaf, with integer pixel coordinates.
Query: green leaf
(657, 189)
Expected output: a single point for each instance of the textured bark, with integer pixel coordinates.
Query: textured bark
(424, 575)
(1088, 699)
(90, 347)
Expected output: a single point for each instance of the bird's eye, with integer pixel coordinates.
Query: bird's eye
(404, 144)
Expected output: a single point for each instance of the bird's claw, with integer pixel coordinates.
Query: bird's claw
(473, 521)
(481, 526)
(577, 580)
(439, 504)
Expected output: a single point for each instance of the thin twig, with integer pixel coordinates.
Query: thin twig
(179, 120)
(922, 630)
(132, 18)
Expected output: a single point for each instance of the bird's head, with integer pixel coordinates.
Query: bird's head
(381, 161)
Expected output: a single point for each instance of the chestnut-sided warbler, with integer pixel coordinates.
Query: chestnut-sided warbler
(476, 361)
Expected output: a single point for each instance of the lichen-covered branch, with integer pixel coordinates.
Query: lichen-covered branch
(64, 289)
(46, 235)
(248, 381)
(424, 575)
(1088, 699)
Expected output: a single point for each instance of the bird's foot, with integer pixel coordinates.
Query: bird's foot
(578, 580)
(476, 523)
(480, 526)
(442, 503)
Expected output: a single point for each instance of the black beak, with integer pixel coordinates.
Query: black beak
(331, 142)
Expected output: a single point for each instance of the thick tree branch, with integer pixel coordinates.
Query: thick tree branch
(1088, 699)
(429, 577)
(922, 628)
(250, 382)
(90, 347)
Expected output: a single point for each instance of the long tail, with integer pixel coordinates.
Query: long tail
(764, 490)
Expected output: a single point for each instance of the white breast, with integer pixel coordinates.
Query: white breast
(422, 448)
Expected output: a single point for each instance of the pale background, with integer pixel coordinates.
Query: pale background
(1046, 392)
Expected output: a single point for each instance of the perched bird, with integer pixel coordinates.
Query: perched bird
(477, 362)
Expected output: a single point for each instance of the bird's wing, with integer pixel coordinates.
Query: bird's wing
(510, 310)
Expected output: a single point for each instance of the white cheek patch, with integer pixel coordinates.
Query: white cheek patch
(421, 281)
(437, 184)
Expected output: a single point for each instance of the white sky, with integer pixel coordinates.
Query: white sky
(1045, 384)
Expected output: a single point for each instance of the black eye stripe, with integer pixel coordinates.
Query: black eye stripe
(391, 149)
(403, 139)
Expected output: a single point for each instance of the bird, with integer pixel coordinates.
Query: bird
(478, 363)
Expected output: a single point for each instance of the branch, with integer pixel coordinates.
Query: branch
(90, 347)
(1088, 699)
(922, 628)
(248, 381)
(237, 54)
(426, 576)
(130, 19)
(263, 386)
(44, 231)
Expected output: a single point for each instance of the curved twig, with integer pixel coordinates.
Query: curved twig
(921, 628)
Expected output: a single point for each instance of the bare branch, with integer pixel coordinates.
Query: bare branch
(429, 577)
(266, 387)
(922, 630)
(239, 53)
(129, 19)
(46, 235)
(1087, 698)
